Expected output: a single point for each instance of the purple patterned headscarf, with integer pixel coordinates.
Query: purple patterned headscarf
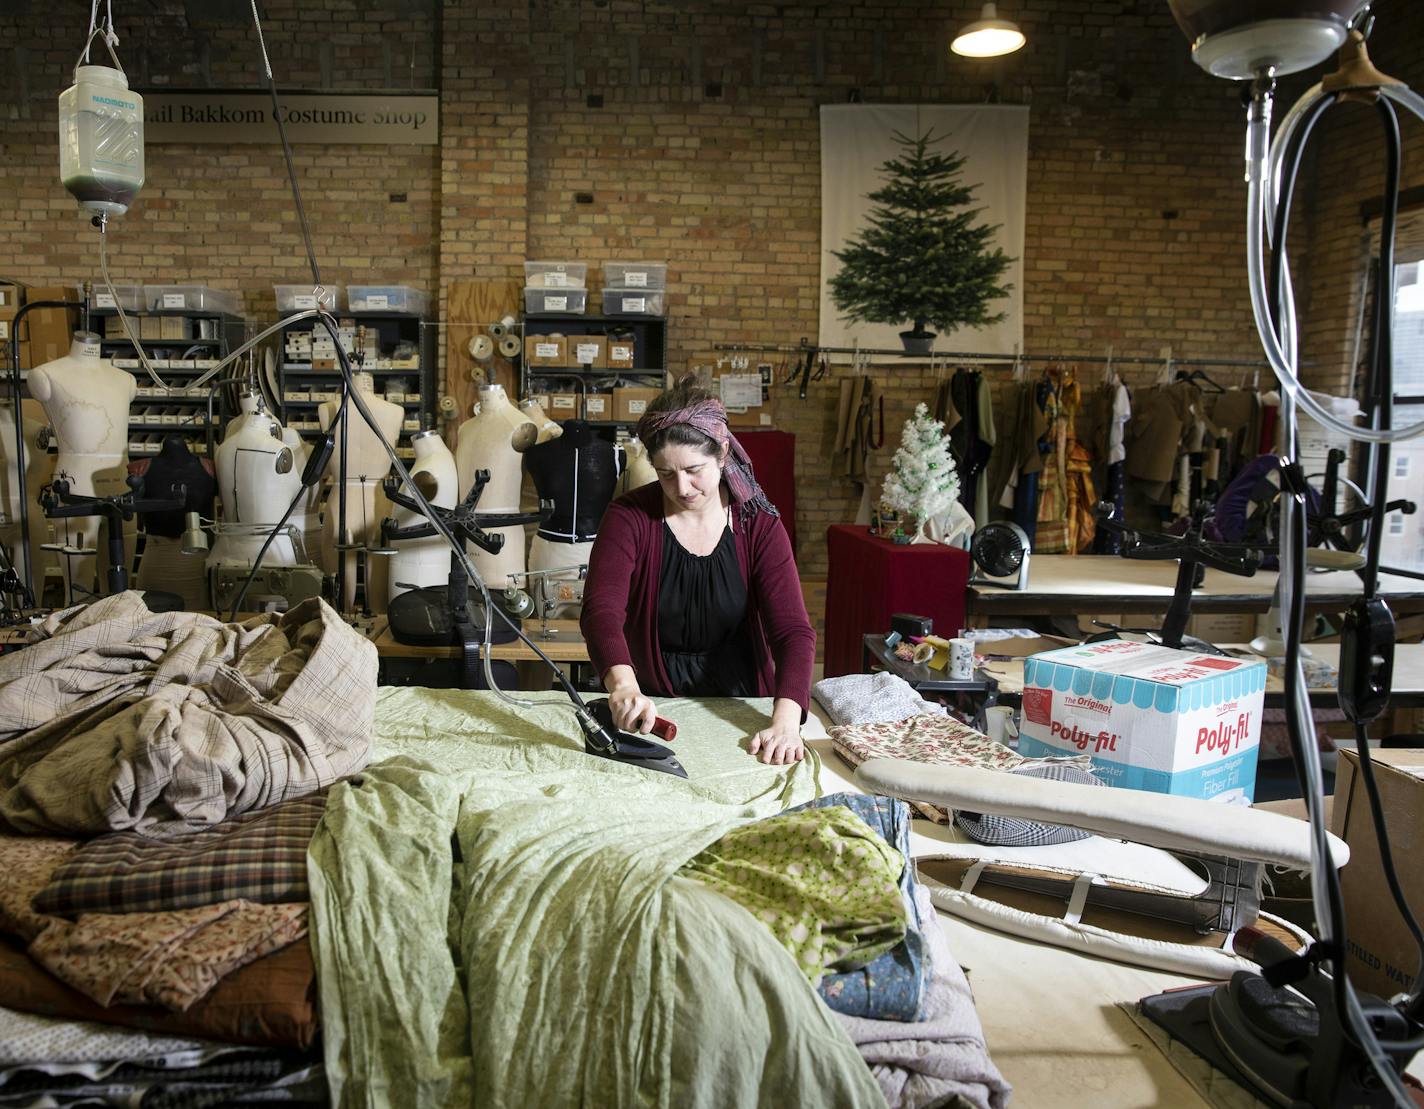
(710, 418)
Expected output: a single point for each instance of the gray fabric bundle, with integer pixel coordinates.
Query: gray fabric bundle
(1017, 831)
(870, 699)
(941, 1060)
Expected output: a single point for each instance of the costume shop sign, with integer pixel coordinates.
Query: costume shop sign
(215, 116)
(1151, 717)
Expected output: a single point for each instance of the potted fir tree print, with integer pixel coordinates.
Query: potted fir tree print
(923, 481)
(922, 258)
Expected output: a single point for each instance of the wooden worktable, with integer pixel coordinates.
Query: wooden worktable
(1084, 585)
(566, 646)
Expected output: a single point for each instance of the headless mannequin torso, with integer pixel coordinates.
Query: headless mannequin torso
(87, 402)
(494, 439)
(39, 468)
(257, 478)
(424, 562)
(175, 473)
(367, 465)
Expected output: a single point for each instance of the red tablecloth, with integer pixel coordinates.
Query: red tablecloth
(869, 579)
(773, 455)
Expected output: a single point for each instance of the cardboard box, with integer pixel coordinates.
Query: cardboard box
(11, 295)
(150, 327)
(546, 350)
(589, 350)
(597, 406)
(620, 354)
(1382, 955)
(175, 327)
(48, 331)
(1152, 718)
(629, 402)
(563, 406)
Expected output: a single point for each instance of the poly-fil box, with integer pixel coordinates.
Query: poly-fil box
(1152, 718)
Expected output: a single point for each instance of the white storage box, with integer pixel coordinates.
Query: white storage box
(191, 298)
(301, 298)
(386, 298)
(1152, 718)
(547, 302)
(635, 275)
(555, 275)
(633, 302)
(127, 297)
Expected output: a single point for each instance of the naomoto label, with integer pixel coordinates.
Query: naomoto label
(1150, 717)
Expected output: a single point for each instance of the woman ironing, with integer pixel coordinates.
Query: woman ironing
(692, 590)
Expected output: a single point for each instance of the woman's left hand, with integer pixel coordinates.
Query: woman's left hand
(781, 743)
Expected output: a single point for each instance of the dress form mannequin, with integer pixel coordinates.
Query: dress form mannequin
(494, 439)
(306, 517)
(164, 565)
(421, 562)
(87, 402)
(548, 429)
(579, 472)
(639, 470)
(39, 468)
(257, 477)
(367, 465)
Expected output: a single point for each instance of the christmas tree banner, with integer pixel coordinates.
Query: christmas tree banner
(857, 140)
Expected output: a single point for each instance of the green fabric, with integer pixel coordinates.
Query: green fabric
(560, 961)
(790, 872)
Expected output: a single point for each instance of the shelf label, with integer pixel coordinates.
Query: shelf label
(89, 348)
(635, 304)
(4, 329)
(637, 279)
(555, 280)
(556, 304)
(594, 405)
(174, 300)
(546, 350)
(304, 302)
(586, 353)
(620, 354)
(377, 300)
(104, 300)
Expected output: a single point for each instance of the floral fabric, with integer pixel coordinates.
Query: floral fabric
(823, 882)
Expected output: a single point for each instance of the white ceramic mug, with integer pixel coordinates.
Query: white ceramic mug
(961, 659)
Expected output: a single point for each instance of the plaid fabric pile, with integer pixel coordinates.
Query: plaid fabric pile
(260, 856)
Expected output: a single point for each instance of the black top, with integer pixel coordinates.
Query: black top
(173, 467)
(579, 472)
(702, 621)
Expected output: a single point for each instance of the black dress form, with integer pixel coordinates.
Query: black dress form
(173, 467)
(579, 472)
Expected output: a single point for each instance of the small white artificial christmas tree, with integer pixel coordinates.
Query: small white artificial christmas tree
(923, 481)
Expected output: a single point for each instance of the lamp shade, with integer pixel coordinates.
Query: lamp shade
(988, 36)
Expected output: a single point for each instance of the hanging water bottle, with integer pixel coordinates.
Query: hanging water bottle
(101, 138)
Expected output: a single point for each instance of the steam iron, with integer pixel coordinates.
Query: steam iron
(615, 744)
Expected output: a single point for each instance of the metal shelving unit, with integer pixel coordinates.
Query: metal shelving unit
(649, 335)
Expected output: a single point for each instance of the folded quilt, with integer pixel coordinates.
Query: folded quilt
(171, 959)
(891, 986)
(940, 740)
(870, 698)
(823, 882)
(120, 718)
(260, 856)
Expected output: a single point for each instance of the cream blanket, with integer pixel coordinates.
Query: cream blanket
(118, 717)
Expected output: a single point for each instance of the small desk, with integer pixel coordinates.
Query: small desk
(923, 678)
(569, 645)
(1083, 585)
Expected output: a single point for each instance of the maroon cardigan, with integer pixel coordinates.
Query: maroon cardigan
(620, 598)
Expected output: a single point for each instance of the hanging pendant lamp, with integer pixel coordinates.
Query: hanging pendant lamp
(988, 36)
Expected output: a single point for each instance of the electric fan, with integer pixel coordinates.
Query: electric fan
(999, 550)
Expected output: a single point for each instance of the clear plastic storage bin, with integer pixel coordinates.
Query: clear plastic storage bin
(555, 275)
(190, 298)
(633, 302)
(635, 275)
(300, 298)
(386, 298)
(129, 297)
(555, 302)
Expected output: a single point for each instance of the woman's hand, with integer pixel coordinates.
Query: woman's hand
(632, 712)
(781, 743)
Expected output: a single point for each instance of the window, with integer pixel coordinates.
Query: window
(1396, 524)
(1401, 466)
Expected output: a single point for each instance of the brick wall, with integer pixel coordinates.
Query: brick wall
(693, 125)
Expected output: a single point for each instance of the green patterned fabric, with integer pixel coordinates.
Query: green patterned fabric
(499, 920)
(823, 882)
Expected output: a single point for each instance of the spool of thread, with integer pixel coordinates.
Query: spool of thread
(498, 330)
(509, 346)
(447, 405)
(481, 348)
